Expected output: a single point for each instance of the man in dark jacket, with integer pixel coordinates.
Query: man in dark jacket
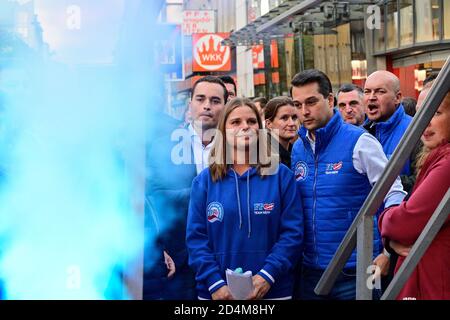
(174, 159)
(335, 164)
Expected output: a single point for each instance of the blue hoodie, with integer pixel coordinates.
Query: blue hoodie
(247, 221)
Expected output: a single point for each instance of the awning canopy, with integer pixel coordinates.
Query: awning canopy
(307, 16)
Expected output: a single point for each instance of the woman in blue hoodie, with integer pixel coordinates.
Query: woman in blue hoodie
(244, 212)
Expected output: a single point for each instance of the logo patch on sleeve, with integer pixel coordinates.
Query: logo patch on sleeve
(215, 212)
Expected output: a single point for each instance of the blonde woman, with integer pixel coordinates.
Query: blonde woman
(401, 226)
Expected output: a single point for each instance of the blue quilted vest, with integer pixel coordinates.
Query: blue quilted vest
(332, 190)
(391, 131)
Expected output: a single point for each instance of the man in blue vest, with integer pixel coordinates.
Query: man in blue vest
(387, 119)
(335, 164)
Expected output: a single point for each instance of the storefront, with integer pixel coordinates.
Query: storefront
(414, 40)
(295, 36)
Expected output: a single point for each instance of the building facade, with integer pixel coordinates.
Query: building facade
(347, 40)
(272, 40)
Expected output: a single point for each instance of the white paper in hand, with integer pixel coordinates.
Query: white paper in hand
(240, 284)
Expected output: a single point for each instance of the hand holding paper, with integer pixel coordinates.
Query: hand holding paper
(261, 287)
(240, 284)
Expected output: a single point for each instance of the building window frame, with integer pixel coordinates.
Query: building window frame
(384, 49)
(382, 4)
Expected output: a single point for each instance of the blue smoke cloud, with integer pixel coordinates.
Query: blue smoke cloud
(72, 162)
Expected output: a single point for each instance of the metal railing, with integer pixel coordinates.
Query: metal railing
(360, 226)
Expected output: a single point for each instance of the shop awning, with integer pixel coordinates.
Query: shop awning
(276, 19)
(286, 18)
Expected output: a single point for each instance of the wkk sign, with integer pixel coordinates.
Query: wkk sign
(209, 54)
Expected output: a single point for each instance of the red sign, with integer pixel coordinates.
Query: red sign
(274, 54)
(209, 54)
(258, 56)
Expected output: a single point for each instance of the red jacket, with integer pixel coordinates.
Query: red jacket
(431, 278)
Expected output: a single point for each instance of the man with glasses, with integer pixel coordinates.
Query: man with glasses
(335, 164)
(350, 104)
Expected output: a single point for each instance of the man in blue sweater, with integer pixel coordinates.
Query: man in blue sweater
(335, 164)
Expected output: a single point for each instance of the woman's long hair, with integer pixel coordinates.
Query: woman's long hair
(219, 152)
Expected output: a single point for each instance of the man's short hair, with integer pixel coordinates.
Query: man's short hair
(311, 76)
(261, 100)
(211, 79)
(430, 78)
(229, 80)
(409, 104)
(349, 87)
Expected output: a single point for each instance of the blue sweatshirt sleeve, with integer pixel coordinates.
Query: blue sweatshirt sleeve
(201, 257)
(287, 250)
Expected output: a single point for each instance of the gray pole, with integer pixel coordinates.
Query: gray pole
(438, 91)
(300, 52)
(364, 249)
(419, 248)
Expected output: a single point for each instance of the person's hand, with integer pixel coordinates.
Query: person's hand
(261, 286)
(222, 294)
(382, 262)
(399, 248)
(169, 264)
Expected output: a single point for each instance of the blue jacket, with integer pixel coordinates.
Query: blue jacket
(390, 132)
(331, 188)
(247, 221)
(168, 187)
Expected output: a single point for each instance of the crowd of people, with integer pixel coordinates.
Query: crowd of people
(273, 186)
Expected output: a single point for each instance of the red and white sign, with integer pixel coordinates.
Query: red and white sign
(209, 54)
(199, 21)
(258, 56)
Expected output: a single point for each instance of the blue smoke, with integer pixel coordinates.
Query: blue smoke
(72, 164)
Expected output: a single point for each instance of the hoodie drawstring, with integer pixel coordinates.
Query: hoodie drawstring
(248, 202)
(238, 199)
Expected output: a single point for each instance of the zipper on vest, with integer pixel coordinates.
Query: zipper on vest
(314, 208)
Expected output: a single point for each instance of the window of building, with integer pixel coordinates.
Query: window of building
(392, 24)
(378, 34)
(253, 10)
(406, 22)
(427, 20)
(446, 19)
